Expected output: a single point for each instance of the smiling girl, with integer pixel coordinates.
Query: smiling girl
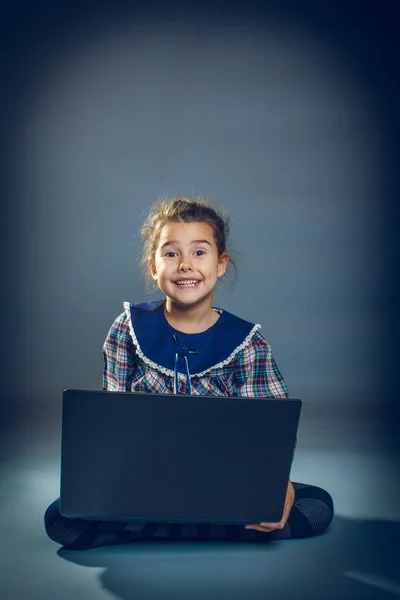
(182, 344)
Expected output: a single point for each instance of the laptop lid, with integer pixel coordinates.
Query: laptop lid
(132, 456)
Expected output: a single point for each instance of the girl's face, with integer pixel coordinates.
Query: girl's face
(186, 265)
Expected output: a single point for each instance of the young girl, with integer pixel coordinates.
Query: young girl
(184, 345)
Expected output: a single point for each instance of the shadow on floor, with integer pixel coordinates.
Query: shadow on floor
(354, 558)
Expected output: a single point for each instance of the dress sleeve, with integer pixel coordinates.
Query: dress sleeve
(119, 357)
(256, 372)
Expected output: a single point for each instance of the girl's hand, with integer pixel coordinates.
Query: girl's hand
(267, 527)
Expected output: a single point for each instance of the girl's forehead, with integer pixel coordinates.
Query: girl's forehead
(193, 231)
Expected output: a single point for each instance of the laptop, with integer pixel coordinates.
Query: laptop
(130, 456)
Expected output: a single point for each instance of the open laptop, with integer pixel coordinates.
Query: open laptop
(129, 456)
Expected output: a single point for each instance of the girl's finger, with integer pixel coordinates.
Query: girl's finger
(260, 528)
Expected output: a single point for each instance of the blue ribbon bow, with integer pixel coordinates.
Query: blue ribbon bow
(182, 352)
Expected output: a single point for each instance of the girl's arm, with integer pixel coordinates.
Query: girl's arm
(119, 357)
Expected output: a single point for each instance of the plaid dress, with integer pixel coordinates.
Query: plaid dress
(231, 358)
(142, 352)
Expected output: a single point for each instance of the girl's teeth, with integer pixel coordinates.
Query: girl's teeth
(187, 283)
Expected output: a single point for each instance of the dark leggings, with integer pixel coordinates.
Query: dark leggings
(311, 514)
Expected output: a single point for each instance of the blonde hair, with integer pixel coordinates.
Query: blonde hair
(183, 209)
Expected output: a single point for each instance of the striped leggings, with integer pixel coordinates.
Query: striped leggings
(311, 514)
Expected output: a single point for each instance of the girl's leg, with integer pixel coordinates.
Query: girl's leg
(79, 534)
(312, 512)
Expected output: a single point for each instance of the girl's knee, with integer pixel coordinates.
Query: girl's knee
(69, 533)
(314, 492)
(313, 510)
(52, 514)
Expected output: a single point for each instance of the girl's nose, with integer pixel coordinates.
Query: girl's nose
(185, 265)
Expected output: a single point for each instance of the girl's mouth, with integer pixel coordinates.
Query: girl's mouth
(187, 283)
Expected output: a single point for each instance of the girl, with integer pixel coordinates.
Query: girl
(183, 345)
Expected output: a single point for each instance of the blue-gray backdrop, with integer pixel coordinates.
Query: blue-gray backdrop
(285, 113)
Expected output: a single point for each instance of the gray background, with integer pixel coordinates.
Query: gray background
(287, 114)
(283, 115)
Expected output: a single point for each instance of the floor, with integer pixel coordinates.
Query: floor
(354, 457)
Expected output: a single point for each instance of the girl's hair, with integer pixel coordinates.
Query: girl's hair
(183, 209)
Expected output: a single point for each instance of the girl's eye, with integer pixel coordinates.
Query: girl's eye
(172, 254)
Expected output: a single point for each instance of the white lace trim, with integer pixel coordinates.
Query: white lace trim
(181, 376)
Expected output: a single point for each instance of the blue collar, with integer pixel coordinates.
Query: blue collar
(182, 352)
